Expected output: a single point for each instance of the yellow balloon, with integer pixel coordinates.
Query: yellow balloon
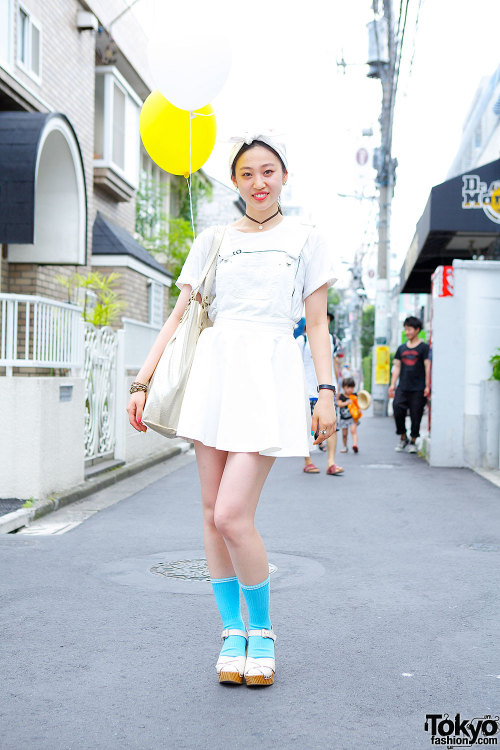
(165, 135)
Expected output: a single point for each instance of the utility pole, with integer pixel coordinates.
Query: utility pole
(382, 64)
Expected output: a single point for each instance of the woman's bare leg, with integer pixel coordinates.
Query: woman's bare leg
(237, 498)
(211, 463)
(332, 447)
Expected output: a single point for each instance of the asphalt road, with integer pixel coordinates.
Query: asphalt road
(384, 599)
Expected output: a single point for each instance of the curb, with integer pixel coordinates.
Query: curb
(17, 519)
(492, 475)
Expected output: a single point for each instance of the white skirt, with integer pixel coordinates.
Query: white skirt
(246, 391)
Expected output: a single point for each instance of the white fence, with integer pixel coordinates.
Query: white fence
(139, 338)
(101, 384)
(39, 332)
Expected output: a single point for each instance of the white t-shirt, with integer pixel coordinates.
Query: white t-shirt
(305, 249)
(310, 372)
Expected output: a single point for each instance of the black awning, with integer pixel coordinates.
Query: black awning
(21, 134)
(110, 239)
(461, 220)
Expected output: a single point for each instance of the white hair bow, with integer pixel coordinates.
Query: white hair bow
(268, 138)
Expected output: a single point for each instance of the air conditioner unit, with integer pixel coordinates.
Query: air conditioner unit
(86, 21)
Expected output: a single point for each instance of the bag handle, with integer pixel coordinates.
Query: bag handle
(208, 272)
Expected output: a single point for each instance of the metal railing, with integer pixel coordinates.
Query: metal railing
(39, 332)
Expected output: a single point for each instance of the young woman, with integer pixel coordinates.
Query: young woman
(245, 401)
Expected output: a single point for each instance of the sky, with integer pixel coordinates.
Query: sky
(284, 76)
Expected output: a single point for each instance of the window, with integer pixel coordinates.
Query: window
(155, 304)
(119, 103)
(116, 143)
(152, 205)
(29, 44)
(5, 30)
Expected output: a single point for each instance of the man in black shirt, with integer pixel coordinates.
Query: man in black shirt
(412, 367)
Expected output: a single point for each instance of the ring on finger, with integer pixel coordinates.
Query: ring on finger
(322, 432)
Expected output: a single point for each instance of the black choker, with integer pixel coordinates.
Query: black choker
(260, 223)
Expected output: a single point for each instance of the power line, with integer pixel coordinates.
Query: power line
(397, 66)
(420, 3)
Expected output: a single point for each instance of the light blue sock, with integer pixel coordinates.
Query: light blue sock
(227, 597)
(257, 599)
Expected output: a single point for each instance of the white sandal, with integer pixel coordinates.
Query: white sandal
(231, 668)
(260, 671)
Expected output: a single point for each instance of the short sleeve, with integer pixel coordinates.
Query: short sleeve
(425, 352)
(196, 259)
(319, 263)
(399, 352)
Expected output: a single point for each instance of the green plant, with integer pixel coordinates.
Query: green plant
(201, 189)
(495, 362)
(108, 306)
(167, 238)
(366, 366)
(367, 330)
(28, 503)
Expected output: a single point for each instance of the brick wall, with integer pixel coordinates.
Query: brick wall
(122, 213)
(29, 278)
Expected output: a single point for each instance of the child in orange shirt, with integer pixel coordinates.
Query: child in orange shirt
(350, 413)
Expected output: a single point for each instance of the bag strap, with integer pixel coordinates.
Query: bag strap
(208, 272)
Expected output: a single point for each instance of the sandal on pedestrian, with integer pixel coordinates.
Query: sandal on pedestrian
(344, 450)
(355, 448)
(311, 469)
(231, 668)
(335, 470)
(260, 671)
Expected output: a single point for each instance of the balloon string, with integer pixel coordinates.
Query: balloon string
(190, 176)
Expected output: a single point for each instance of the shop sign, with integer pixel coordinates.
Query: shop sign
(362, 156)
(477, 194)
(442, 282)
(382, 365)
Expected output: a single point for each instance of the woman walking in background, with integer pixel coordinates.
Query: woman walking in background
(245, 401)
(312, 384)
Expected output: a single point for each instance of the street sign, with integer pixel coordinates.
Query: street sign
(442, 281)
(362, 156)
(382, 365)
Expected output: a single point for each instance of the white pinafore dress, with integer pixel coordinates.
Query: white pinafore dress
(246, 391)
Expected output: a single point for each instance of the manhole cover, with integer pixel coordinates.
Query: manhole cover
(189, 570)
(482, 547)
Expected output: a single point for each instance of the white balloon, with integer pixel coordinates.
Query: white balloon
(189, 73)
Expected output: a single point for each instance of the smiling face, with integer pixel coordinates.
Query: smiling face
(259, 177)
(411, 333)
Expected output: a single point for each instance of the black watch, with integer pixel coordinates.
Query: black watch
(327, 387)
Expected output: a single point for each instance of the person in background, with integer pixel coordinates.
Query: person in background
(347, 418)
(347, 371)
(412, 367)
(299, 328)
(312, 383)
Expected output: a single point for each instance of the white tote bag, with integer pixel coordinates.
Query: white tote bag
(166, 390)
